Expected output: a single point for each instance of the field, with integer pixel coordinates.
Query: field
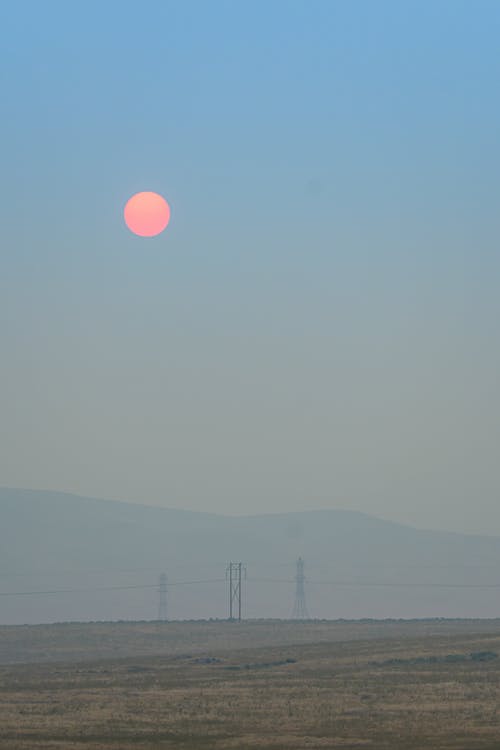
(263, 684)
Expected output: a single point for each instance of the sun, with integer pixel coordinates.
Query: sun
(146, 214)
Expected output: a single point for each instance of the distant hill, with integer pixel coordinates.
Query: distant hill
(89, 550)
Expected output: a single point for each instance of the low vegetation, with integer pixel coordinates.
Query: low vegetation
(392, 689)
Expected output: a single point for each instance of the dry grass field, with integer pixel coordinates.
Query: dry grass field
(377, 685)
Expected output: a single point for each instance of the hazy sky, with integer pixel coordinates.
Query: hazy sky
(318, 326)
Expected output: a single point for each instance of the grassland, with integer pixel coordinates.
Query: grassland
(378, 685)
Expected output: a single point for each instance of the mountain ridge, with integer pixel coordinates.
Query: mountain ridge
(73, 496)
(357, 565)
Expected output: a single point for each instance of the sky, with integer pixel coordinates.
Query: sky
(318, 325)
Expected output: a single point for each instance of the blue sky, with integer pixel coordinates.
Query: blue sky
(317, 326)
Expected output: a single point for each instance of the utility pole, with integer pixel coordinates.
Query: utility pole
(300, 607)
(234, 573)
(162, 604)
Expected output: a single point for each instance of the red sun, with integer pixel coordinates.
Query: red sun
(146, 214)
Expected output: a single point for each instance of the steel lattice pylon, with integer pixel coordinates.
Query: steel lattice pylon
(162, 603)
(299, 611)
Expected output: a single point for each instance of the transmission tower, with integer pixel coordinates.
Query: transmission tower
(299, 611)
(162, 602)
(234, 573)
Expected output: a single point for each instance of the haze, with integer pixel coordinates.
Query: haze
(318, 328)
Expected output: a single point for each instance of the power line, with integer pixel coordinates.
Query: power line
(262, 563)
(412, 583)
(378, 583)
(107, 588)
(407, 584)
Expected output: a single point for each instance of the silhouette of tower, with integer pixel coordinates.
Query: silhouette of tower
(162, 604)
(299, 611)
(233, 574)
